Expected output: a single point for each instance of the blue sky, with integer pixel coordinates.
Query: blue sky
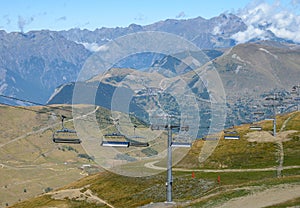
(26, 15)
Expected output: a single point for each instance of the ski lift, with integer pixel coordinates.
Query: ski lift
(255, 127)
(115, 139)
(230, 131)
(114, 135)
(231, 134)
(209, 138)
(136, 140)
(181, 144)
(135, 137)
(231, 137)
(114, 144)
(123, 144)
(139, 144)
(65, 135)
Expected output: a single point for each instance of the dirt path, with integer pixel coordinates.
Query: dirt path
(279, 139)
(280, 148)
(281, 158)
(81, 194)
(269, 197)
(153, 166)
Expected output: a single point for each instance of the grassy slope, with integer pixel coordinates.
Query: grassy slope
(122, 191)
(243, 154)
(32, 162)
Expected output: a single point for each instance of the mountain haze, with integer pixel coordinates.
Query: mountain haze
(33, 64)
(248, 72)
(205, 33)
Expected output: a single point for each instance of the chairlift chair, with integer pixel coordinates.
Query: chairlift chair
(114, 139)
(139, 144)
(65, 135)
(181, 144)
(208, 138)
(114, 144)
(115, 135)
(136, 140)
(230, 131)
(231, 134)
(255, 127)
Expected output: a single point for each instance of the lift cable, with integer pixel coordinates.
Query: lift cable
(32, 102)
(103, 120)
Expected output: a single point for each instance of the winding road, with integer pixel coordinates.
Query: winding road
(153, 166)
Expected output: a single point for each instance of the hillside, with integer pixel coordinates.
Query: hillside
(248, 72)
(257, 67)
(240, 169)
(31, 163)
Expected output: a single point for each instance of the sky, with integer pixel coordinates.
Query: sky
(26, 15)
(281, 17)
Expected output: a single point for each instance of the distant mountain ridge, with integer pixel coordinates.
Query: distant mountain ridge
(205, 33)
(33, 64)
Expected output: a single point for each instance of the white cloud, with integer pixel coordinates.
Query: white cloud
(181, 15)
(251, 33)
(280, 19)
(94, 47)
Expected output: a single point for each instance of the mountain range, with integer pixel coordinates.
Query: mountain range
(34, 64)
(250, 72)
(205, 33)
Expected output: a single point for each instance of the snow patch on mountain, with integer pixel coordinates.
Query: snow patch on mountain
(268, 52)
(235, 56)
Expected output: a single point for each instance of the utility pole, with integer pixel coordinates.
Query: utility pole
(274, 121)
(169, 165)
(273, 105)
(279, 143)
(169, 127)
